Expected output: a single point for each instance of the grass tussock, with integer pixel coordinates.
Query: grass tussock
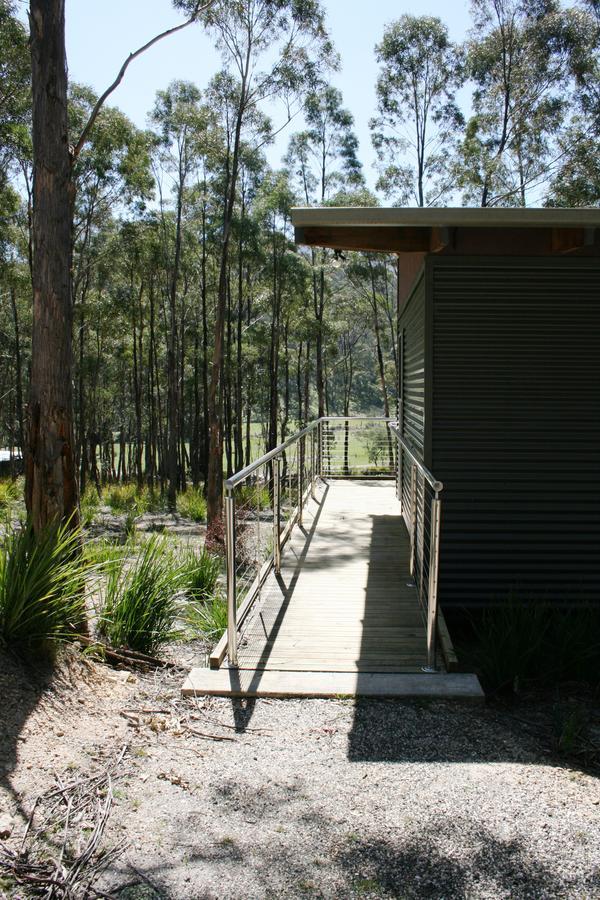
(89, 505)
(253, 496)
(141, 600)
(208, 617)
(191, 504)
(200, 572)
(10, 492)
(131, 499)
(43, 584)
(517, 643)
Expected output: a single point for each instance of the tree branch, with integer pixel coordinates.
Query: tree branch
(115, 84)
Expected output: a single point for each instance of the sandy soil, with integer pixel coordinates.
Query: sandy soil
(329, 799)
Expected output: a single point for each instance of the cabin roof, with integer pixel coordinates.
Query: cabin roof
(412, 229)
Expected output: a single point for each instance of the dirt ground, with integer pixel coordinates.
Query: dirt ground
(332, 799)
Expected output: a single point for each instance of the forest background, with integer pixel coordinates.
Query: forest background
(199, 329)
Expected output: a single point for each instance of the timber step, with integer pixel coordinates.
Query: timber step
(228, 682)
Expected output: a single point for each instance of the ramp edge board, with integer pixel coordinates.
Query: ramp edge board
(275, 684)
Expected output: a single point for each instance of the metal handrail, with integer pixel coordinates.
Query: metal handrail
(277, 451)
(434, 540)
(438, 486)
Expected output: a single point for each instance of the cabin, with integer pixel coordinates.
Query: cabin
(350, 544)
(499, 393)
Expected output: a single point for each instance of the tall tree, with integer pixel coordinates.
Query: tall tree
(51, 479)
(292, 37)
(417, 113)
(518, 60)
(324, 161)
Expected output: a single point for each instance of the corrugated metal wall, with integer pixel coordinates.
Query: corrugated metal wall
(516, 428)
(412, 336)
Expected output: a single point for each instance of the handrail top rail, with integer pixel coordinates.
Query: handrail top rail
(438, 486)
(237, 477)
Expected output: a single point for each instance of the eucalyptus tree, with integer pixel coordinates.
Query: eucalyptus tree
(418, 117)
(577, 180)
(184, 125)
(323, 161)
(288, 38)
(51, 480)
(518, 59)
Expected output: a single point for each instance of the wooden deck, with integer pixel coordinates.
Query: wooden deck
(344, 601)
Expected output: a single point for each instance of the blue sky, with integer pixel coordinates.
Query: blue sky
(101, 34)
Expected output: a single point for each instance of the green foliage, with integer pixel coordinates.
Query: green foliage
(89, 504)
(517, 643)
(105, 554)
(129, 498)
(209, 617)
(140, 600)
(192, 504)
(253, 496)
(43, 583)
(9, 493)
(200, 573)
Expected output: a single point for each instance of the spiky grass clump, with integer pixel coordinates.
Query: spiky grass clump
(200, 572)
(519, 643)
(9, 492)
(105, 554)
(192, 504)
(129, 498)
(140, 602)
(208, 618)
(43, 583)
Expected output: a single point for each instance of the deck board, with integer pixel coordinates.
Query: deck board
(344, 601)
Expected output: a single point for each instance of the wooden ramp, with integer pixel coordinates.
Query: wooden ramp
(343, 616)
(344, 601)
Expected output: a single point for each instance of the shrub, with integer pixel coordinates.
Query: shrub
(210, 618)
(43, 583)
(200, 573)
(140, 603)
(192, 505)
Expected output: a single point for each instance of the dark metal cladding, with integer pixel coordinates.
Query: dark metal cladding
(514, 431)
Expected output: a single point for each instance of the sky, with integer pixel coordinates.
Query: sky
(101, 34)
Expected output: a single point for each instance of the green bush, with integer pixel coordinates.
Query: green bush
(192, 505)
(140, 602)
(199, 574)
(43, 584)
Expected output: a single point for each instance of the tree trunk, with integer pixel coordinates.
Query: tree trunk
(51, 481)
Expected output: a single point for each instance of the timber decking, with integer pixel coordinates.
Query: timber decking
(344, 601)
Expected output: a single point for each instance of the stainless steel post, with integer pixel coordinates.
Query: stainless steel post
(320, 449)
(399, 473)
(276, 514)
(312, 464)
(413, 517)
(432, 599)
(231, 586)
(301, 452)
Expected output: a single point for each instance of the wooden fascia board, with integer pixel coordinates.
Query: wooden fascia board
(382, 239)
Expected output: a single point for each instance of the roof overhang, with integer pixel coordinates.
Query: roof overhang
(410, 230)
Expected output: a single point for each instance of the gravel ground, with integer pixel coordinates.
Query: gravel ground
(311, 798)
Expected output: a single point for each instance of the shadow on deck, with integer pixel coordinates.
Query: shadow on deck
(343, 616)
